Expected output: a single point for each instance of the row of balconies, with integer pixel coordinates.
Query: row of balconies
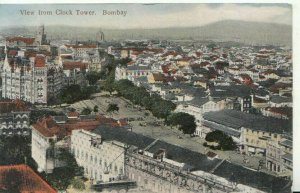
(171, 173)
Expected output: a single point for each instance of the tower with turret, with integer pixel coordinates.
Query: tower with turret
(41, 36)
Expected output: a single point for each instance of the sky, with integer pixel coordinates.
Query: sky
(145, 15)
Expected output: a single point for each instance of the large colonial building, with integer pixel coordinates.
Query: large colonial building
(30, 79)
(112, 155)
(102, 160)
(49, 134)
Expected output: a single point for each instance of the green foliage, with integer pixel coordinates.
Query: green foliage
(16, 150)
(109, 83)
(86, 111)
(78, 184)
(214, 136)
(212, 45)
(36, 114)
(96, 108)
(140, 96)
(184, 121)
(123, 61)
(62, 177)
(112, 107)
(73, 93)
(225, 142)
(93, 77)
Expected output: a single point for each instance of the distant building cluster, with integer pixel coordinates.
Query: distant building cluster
(243, 91)
(34, 70)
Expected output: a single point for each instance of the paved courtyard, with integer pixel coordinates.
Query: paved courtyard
(144, 123)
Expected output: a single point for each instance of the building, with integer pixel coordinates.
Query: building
(131, 72)
(21, 178)
(51, 133)
(279, 156)
(74, 72)
(20, 41)
(31, 77)
(162, 167)
(25, 80)
(14, 118)
(102, 160)
(82, 50)
(250, 131)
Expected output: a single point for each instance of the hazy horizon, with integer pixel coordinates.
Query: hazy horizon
(144, 16)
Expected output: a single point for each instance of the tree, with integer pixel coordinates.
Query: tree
(224, 141)
(96, 108)
(16, 150)
(62, 177)
(112, 107)
(78, 184)
(93, 77)
(75, 92)
(36, 114)
(70, 94)
(109, 84)
(184, 121)
(86, 111)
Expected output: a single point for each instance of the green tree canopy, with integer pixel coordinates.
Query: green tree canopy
(86, 111)
(225, 142)
(184, 121)
(112, 107)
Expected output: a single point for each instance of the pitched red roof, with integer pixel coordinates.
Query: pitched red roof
(28, 180)
(39, 61)
(259, 100)
(49, 128)
(70, 65)
(288, 111)
(123, 122)
(8, 106)
(73, 114)
(12, 52)
(21, 39)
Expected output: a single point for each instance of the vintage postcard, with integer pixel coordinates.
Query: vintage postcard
(146, 98)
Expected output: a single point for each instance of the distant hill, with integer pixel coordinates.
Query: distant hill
(227, 30)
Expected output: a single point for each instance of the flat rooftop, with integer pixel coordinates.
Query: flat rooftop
(198, 161)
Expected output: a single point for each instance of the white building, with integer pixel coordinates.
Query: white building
(132, 72)
(28, 83)
(198, 110)
(101, 160)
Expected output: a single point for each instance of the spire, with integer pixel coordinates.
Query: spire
(6, 64)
